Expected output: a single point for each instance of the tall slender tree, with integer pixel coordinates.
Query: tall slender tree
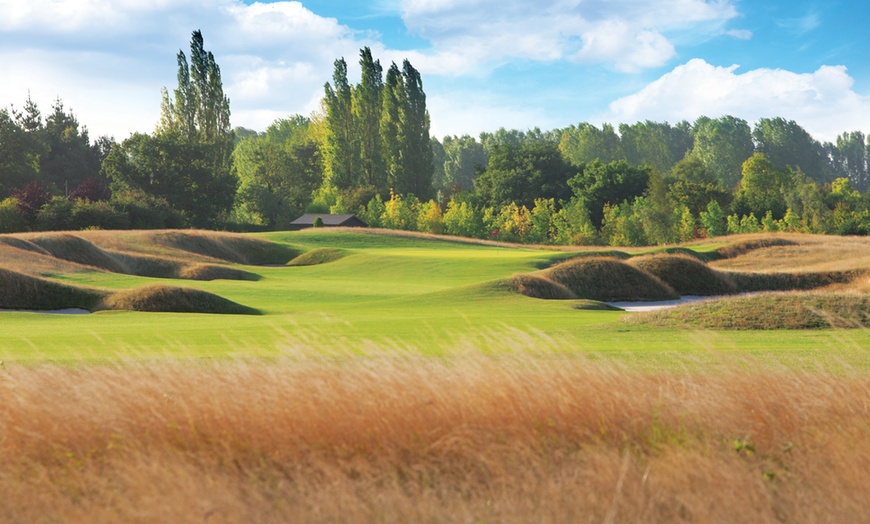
(391, 114)
(417, 155)
(367, 108)
(341, 152)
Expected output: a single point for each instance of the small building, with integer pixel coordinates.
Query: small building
(308, 219)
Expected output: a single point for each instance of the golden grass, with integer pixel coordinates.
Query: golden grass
(171, 299)
(780, 310)
(536, 286)
(464, 438)
(22, 291)
(815, 253)
(685, 274)
(604, 278)
(160, 254)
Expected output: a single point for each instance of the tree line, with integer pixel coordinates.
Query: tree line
(368, 151)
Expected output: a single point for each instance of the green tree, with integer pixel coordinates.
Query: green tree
(686, 224)
(463, 218)
(599, 184)
(852, 159)
(713, 220)
(19, 154)
(573, 225)
(341, 153)
(622, 226)
(656, 212)
(69, 158)
(391, 126)
(169, 166)
(542, 220)
(785, 143)
(464, 157)
(367, 108)
(200, 112)
(648, 144)
(523, 173)
(414, 132)
(586, 143)
(762, 188)
(277, 173)
(723, 145)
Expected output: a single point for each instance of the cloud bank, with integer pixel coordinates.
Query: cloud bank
(823, 102)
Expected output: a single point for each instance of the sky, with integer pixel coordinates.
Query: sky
(485, 64)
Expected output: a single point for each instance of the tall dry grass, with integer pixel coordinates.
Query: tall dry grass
(403, 438)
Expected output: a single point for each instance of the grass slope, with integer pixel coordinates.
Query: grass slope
(406, 291)
(768, 311)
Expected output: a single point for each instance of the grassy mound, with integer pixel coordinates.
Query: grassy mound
(767, 311)
(169, 299)
(238, 249)
(215, 272)
(20, 291)
(20, 243)
(609, 279)
(792, 281)
(78, 250)
(148, 265)
(539, 287)
(573, 255)
(686, 274)
(317, 256)
(702, 256)
(741, 248)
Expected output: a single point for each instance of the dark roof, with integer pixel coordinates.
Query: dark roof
(328, 220)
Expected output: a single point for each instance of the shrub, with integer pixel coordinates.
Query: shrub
(11, 219)
(56, 215)
(88, 214)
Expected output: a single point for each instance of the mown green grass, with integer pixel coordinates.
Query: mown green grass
(419, 294)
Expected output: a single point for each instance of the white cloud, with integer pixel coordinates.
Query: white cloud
(627, 35)
(108, 59)
(823, 102)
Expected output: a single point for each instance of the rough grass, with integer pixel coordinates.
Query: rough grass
(608, 279)
(536, 286)
(75, 249)
(214, 272)
(741, 247)
(317, 256)
(170, 299)
(792, 281)
(686, 275)
(20, 243)
(22, 291)
(767, 311)
(238, 249)
(464, 438)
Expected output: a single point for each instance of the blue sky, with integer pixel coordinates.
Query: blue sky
(485, 63)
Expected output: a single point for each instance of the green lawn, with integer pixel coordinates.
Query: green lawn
(395, 292)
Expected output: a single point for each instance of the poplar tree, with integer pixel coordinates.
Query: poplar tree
(188, 159)
(414, 132)
(341, 152)
(367, 108)
(391, 113)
